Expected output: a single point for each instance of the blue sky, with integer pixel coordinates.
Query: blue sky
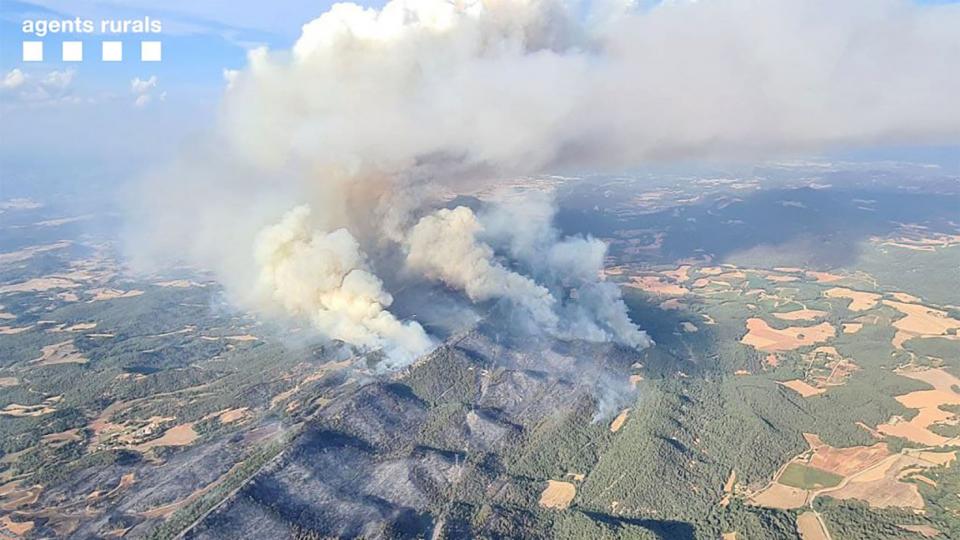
(88, 112)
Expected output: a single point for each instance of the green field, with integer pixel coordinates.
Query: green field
(804, 477)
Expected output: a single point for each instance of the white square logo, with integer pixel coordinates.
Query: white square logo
(112, 51)
(73, 51)
(33, 51)
(150, 51)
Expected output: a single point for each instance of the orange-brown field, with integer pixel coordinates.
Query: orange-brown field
(884, 485)
(619, 420)
(852, 328)
(928, 403)
(764, 338)
(920, 321)
(859, 300)
(802, 388)
(847, 461)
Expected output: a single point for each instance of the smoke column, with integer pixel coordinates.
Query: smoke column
(325, 156)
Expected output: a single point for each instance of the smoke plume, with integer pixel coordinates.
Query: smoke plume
(318, 177)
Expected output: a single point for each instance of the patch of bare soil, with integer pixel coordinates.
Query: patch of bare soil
(619, 420)
(557, 495)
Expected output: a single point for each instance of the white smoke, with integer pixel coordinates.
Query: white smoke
(371, 106)
(325, 277)
(444, 246)
(570, 267)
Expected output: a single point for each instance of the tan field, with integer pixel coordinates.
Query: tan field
(13, 496)
(110, 294)
(29, 252)
(904, 297)
(920, 321)
(232, 415)
(801, 315)
(802, 388)
(657, 285)
(781, 279)
(80, 327)
(63, 437)
(680, 274)
(244, 337)
(38, 285)
(10, 330)
(731, 481)
(181, 435)
(60, 353)
(810, 527)
(924, 530)
(852, 328)
(8, 381)
(860, 301)
(177, 283)
(928, 403)
(688, 327)
(764, 338)
(619, 421)
(848, 461)
(937, 458)
(780, 496)
(557, 495)
(731, 276)
(823, 277)
(17, 410)
(883, 486)
(17, 528)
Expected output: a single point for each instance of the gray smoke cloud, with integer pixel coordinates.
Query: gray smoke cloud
(329, 158)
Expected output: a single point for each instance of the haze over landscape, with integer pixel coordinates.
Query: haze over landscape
(498, 269)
